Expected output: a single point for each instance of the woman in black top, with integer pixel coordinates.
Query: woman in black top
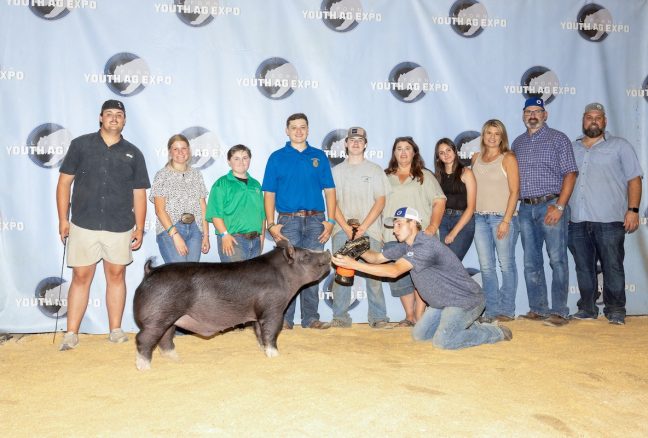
(458, 183)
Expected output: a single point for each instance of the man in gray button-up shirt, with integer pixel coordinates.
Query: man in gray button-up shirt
(604, 207)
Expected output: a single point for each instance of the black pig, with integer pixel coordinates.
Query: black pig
(207, 298)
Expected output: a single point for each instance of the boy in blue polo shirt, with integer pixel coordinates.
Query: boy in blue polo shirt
(294, 179)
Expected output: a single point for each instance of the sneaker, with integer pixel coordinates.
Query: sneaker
(616, 319)
(319, 325)
(338, 323)
(508, 334)
(530, 315)
(70, 341)
(117, 336)
(555, 321)
(581, 314)
(381, 325)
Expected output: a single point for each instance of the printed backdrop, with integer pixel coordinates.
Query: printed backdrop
(224, 72)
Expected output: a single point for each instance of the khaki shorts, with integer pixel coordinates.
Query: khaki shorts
(86, 247)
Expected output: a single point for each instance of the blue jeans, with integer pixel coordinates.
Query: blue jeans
(499, 300)
(587, 242)
(452, 328)
(192, 237)
(303, 232)
(535, 233)
(377, 309)
(245, 250)
(462, 242)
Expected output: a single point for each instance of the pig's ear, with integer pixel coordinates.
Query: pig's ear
(288, 250)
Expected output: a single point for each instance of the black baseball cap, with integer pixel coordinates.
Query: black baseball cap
(113, 104)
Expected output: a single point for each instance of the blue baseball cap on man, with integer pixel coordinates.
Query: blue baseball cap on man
(533, 101)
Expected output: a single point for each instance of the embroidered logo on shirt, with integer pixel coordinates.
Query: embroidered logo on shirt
(315, 162)
(129, 155)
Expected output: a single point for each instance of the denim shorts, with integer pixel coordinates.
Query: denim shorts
(401, 286)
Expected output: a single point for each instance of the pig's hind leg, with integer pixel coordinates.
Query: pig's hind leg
(146, 340)
(257, 332)
(166, 345)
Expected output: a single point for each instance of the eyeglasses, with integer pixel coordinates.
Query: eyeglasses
(533, 112)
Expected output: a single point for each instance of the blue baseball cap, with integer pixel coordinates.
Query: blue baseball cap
(533, 101)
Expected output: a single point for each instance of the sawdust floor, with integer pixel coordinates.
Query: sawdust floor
(585, 379)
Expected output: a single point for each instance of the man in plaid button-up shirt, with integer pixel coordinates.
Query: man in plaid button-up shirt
(547, 175)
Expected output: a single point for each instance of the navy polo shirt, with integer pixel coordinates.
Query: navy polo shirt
(104, 180)
(298, 178)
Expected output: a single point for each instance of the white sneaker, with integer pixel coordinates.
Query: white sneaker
(117, 336)
(70, 341)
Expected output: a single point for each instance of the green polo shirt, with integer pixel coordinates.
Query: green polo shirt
(240, 205)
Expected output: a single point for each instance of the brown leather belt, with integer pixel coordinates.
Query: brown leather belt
(539, 199)
(187, 218)
(302, 213)
(251, 235)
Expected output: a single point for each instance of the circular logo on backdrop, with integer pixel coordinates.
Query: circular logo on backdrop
(341, 14)
(540, 82)
(200, 14)
(48, 144)
(49, 12)
(644, 86)
(468, 143)
(51, 296)
(205, 145)
(334, 146)
(277, 78)
(357, 287)
(594, 19)
(468, 15)
(409, 79)
(126, 71)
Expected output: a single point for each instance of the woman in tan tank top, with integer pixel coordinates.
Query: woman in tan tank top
(496, 222)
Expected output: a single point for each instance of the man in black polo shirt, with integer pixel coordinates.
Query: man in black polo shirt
(108, 213)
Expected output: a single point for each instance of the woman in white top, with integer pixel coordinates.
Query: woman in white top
(178, 193)
(496, 222)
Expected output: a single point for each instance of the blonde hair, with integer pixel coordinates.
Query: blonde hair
(173, 139)
(494, 123)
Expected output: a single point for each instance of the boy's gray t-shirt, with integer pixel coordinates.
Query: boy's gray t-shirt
(438, 275)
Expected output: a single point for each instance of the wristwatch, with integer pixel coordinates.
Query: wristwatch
(560, 207)
(633, 209)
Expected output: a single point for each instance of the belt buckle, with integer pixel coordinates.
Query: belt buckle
(187, 218)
